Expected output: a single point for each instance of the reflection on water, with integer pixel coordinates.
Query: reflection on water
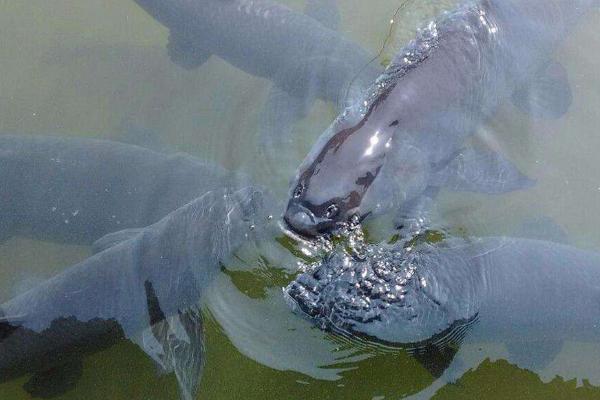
(100, 69)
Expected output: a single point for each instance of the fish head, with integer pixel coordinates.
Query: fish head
(394, 294)
(346, 186)
(314, 210)
(329, 187)
(304, 221)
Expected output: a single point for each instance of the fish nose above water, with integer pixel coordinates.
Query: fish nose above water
(301, 220)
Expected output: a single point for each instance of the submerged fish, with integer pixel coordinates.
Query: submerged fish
(302, 54)
(43, 180)
(407, 137)
(296, 52)
(143, 284)
(429, 296)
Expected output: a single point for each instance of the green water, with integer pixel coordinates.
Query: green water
(99, 69)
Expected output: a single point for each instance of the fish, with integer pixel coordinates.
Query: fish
(408, 134)
(126, 186)
(298, 53)
(143, 285)
(302, 54)
(430, 297)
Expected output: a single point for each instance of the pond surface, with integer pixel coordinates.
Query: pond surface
(100, 70)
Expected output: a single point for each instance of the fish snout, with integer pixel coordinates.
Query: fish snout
(300, 219)
(303, 221)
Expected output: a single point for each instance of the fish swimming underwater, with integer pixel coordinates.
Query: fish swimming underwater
(125, 186)
(141, 284)
(301, 53)
(298, 53)
(144, 285)
(432, 296)
(408, 135)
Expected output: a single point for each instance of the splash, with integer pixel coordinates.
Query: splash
(352, 281)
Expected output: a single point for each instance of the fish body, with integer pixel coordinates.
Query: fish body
(43, 180)
(302, 54)
(159, 225)
(145, 287)
(263, 38)
(428, 287)
(415, 118)
(429, 298)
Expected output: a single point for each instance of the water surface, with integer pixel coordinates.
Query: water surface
(99, 69)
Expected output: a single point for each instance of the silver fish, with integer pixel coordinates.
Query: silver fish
(407, 135)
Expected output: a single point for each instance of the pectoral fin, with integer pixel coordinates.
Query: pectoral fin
(480, 171)
(435, 359)
(113, 239)
(176, 343)
(548, 95)
(185, 53)
(55, 381)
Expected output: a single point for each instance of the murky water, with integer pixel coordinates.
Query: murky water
(100, 69)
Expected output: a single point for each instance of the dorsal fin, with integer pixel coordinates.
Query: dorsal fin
(114, 238)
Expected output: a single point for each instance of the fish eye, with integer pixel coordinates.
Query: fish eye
(299, 190)
(331, 211)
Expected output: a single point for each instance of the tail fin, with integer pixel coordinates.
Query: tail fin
(180, 343)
